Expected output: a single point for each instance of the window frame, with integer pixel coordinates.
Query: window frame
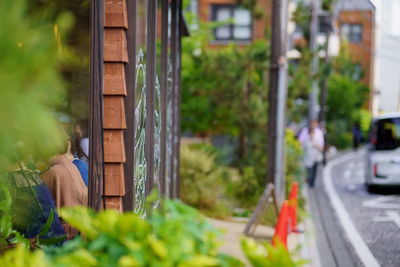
(96, 152)
(231, 26)
(351, 34)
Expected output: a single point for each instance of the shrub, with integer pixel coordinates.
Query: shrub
(338, 135)
(204, 183)
(267, 255)
(175, 235)
(294, 157)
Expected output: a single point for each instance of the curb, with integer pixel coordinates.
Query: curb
(308, 239)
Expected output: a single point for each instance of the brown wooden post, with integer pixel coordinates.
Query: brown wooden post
(114, 122)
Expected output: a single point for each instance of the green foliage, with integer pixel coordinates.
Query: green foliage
(328, 5)
(224, 93)
(346, 98)
(338, 134)
(218, 83)
(294, 156)
(364, 117)
(302, 17)
(74, 47)
(204, 183)
(175, 235)
(257, 12)
(21, 256)
(249, 188)
(30, 84)
(299, 87)
(8, 236)
(10, 217)
(267, 255)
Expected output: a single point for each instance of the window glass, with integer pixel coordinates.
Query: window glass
(242, 17)
(345, 31)
(241, 33)
(387, 134)
(169, 152)
(238, 22)
(223, 32)
(357, 33)
(223, 14)
(352, 32)
(140, 165)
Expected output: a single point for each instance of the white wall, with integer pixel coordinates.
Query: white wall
(387, 55)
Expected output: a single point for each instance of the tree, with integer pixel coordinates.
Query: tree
(224, 92)
(31, 87)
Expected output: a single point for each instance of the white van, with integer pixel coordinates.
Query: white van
(383, 156)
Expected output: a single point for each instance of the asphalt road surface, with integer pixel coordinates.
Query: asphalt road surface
(354, 227)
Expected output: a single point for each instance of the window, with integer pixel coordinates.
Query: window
(352, 32)
(386, 134)
(237, 19)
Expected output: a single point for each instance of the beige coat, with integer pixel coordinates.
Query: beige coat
(66, 185)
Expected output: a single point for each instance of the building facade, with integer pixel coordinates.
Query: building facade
(238, 24)
(356, 24)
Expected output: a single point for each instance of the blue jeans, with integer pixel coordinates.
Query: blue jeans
(312, 174)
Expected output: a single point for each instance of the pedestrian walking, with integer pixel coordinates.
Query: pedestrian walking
(312, 140)
(357, 135)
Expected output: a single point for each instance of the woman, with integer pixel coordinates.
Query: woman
(66, 184)
(80, 159)
(313, 145)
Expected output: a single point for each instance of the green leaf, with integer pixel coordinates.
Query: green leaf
(18, 238)
(48, 224)
(5, 198)
(3, 243)
(5, 225)
(52, 241)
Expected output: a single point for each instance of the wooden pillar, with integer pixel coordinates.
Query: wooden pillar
(114, 123)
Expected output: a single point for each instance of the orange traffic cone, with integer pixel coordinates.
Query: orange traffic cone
(281, 229)
(293, 207)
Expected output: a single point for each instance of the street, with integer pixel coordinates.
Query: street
(354, 227)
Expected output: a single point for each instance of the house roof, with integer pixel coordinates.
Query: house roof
(350, 5)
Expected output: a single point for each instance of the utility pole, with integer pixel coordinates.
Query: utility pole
(277, 99)
(324, 89)
(313, 97)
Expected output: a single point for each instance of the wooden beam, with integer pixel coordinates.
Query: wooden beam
(115, 48)
(113, 203)
(114, 79)
(116, 14)
(114, 151)
(114, 112)
(114, 179)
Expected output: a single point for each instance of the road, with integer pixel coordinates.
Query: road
(354, 227)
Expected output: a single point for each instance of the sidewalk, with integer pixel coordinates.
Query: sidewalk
(233, 232)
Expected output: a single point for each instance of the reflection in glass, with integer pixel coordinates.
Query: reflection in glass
(157, 139)
(169, 123)
(169, 155)
(140, 164)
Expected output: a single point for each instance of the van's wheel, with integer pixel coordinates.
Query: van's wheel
(370, 188)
